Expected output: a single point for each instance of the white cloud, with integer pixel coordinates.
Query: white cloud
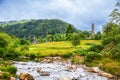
(80, 13)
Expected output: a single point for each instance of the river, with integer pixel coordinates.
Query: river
(56, 70)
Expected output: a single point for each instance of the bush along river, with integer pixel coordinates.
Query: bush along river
(58, 70)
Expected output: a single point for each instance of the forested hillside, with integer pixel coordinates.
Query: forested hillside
(38, 28)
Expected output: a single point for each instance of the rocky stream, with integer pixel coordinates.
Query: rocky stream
(57, 71)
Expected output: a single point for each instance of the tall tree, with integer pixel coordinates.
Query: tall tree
(112, 28)
(115, 15)
(111, 34)
(69, 32)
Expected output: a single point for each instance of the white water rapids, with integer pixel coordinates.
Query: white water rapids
(56, 70)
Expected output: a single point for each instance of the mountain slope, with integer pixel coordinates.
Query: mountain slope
(38, 28)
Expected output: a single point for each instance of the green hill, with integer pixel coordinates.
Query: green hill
(39, 28)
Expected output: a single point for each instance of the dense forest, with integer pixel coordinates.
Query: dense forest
(38, 28)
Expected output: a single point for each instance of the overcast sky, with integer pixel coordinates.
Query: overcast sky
(80, 13)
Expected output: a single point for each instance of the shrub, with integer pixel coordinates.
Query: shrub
(24, 48)
(96, 48)
(39, 55)
(2, 52)
(32, 56)
(90, 56)
(12, 54)
(75, 39)
(112, 51)
(98, 36)
(89, 43)
(24, 42)
(77, 59)
(4, 63)
(81, 52)
(3, 41)
(2, 69)
(54, 55)
(108, 40)
(12, 69)
(5, 75)
(117, 39)
(67, 55)
(116, 52)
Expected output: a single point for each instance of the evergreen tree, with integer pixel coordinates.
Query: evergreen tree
(69, 32)
(115, 15)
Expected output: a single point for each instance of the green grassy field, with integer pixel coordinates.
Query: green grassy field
(59, 47)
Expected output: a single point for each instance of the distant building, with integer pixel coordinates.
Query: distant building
(92, 28)
(92, 31)
(35, 41)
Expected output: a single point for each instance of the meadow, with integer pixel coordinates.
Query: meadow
(62, 47)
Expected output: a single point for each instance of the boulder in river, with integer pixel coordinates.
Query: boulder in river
(71, 67)
(95, 70)
(39, 70)
(101, 73)
(12, 78)
(12, 62)
(107, 75)
(85, 68)
(44, 73)
(25, 76)
(46, 61)
(65, 78)
(57, 58)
